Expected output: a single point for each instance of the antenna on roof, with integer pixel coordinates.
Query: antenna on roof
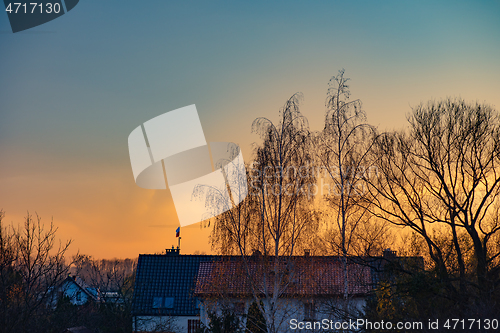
(178, 234)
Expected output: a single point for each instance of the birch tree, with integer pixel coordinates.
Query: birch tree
(276, 216)
(343, 153)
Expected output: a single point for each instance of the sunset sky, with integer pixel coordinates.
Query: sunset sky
(73, 89)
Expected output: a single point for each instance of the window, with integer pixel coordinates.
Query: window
(193, 325)
(78, 296)
(309, 311)
(168, 302)
(163, 302)
(157, 302)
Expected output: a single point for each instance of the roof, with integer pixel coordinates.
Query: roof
(160, 278)
(298, 276)
(81, 285)
(170, 284)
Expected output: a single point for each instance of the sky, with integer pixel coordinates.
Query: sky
(72, 90)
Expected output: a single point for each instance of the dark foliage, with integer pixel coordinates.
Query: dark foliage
(256, 323)
(227, 322)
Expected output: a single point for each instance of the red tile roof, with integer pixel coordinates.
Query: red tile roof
(294, 276)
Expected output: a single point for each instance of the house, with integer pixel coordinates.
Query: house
(76, 290)
(175, 293)
(163, 292)
(309, 288)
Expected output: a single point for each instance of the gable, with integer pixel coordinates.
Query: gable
(74, 288)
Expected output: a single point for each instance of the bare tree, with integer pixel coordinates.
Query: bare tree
(111, 281)
(10, 279)
(343, 151)
(276, 216)
(441, 179)
(110, 278)
(32, 266)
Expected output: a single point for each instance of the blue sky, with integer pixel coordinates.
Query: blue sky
(72, 90)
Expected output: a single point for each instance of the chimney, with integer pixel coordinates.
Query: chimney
(173, 251)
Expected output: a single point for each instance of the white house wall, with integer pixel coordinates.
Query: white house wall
(286, 309)
(162, 323)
